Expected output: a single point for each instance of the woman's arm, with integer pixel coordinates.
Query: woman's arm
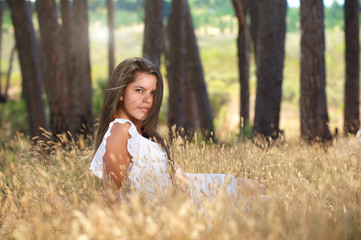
(116, 158)
(180, 177)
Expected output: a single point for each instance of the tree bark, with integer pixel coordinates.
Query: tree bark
(111, 47)
(263, 124)
(243, 46)
(8, 75)
(69, 53)
(352, 57)
(190, 101)
(314, 116)
(2, 96)
(56, 78)
(175, 71)
(195, 76)
(82, 78)
(153, 31)
(30, 70)
(252, 7)
(279, 45)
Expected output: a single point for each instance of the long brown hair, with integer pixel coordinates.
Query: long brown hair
(121, 77)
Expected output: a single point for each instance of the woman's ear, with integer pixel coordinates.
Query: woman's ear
(121, 98)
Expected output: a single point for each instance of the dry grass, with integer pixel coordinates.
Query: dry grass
(315, 194)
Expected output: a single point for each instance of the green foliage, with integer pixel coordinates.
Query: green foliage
(13, 118)
(98, 96)
(216, 13)
(7, 23)
(205, 13)
(334, 16)
(293, 19)
(218, 7)
(126, 18)
(291, 91)
(127, 12)
(98, 13)
(246, 132)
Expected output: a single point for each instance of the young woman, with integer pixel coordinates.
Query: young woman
(131, 155)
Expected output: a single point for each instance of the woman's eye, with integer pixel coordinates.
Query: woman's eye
(139, 90)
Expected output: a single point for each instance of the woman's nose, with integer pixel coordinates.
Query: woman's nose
(147, 98)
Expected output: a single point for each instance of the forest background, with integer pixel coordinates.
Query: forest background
(216, 29)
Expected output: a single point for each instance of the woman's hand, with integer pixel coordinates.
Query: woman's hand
(181, 177)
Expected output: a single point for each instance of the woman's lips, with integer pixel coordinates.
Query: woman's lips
(144, 109)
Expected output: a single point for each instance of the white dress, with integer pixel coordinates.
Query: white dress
(148, 174)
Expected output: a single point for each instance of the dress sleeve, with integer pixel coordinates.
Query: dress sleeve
(96, 165)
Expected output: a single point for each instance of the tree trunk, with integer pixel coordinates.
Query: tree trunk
(153, 30)
(82, 78)
(279, 45)
(30, 70)
(314, 116)
(243, 43)
(56, 78)
(175, 71)
(190, 124)
(252, 7)
(195, 75)
(68, 46)
(265, 69)
(111, 48)
(190, 120)
(352, 57)
(2, 96)
(8, 75)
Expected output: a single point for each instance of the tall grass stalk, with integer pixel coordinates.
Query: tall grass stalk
(314, 194)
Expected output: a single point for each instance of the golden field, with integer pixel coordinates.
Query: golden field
(314, 193)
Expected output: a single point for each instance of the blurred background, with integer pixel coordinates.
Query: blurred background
(115, 30)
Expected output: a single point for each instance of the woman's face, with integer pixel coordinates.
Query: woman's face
(138, 97)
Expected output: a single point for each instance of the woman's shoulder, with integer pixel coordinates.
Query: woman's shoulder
(122, 127)
(120, 130)
(122, 121)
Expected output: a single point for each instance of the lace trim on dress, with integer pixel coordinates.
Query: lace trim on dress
(97, 163)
